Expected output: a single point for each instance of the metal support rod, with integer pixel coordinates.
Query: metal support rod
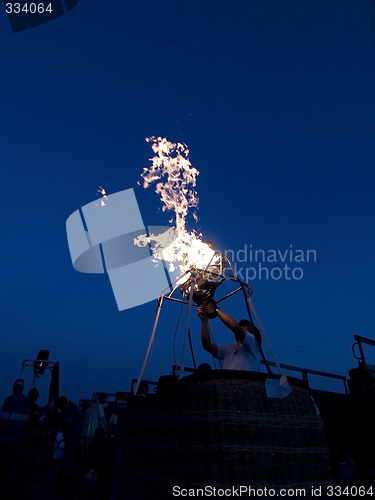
(187, 327)
(361, 352)
(173, 299)
(150, 343)
(364, 340)
(277, 364)
(228, 295)
(249, 307)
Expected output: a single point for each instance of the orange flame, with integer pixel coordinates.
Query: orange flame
(177, 193)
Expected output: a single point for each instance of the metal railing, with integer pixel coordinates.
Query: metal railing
(304, 372)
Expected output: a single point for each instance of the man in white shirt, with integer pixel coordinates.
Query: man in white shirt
(244, 354)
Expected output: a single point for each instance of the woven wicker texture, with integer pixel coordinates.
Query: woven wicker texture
(221, 429)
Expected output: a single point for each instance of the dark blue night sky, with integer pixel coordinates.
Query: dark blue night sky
(275, 100)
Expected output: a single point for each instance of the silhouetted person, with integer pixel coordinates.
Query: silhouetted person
(17, 402)
(14, 415)
(36, 411)
(65, 463)
(143, 389)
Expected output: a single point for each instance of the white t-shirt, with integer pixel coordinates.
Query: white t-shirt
(245, 356)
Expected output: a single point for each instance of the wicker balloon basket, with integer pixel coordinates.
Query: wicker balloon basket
(220, 429)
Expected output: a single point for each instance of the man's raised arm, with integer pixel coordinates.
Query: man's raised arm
(207, 344)
(229, 322)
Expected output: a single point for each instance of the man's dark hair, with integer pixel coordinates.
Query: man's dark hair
(253, 329)
(18, 385)
(204, 367)
(33, 394)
